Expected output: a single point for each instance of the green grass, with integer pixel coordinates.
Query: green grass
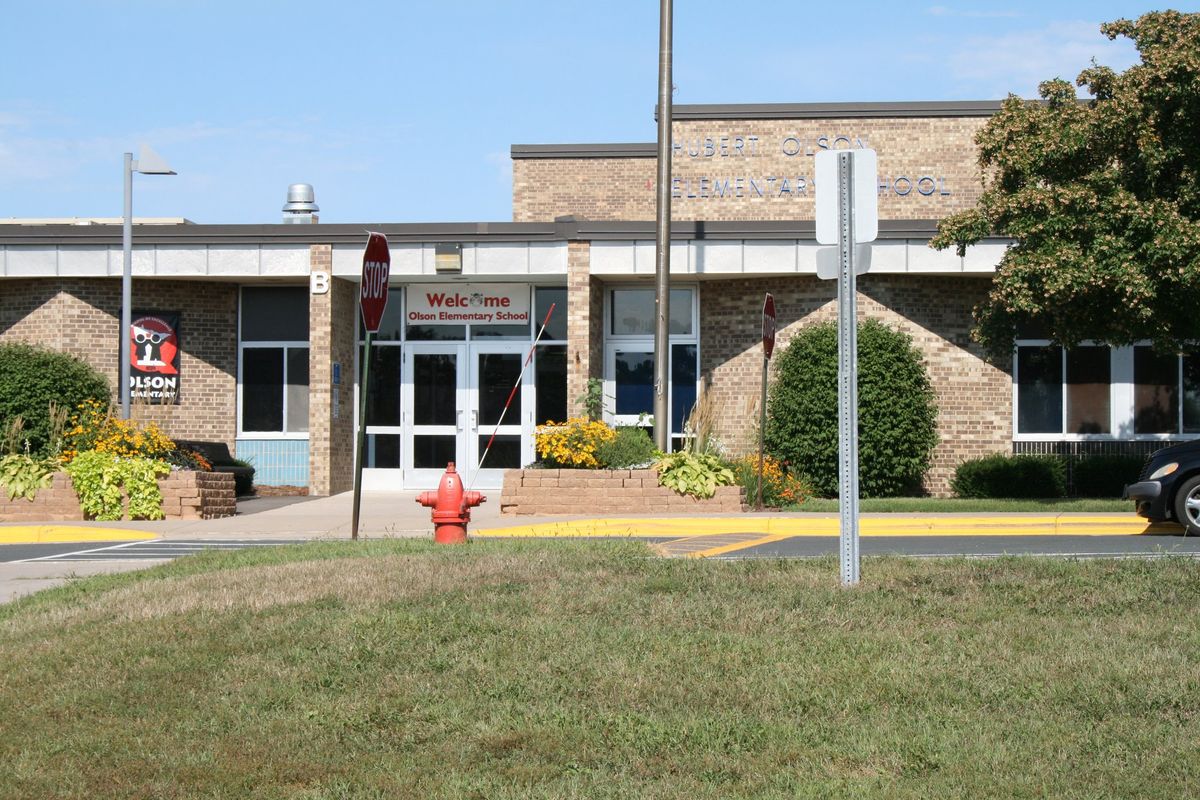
(567, 670)
(958, 505)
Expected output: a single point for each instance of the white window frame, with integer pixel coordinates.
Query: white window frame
(286, 344)
(1121, 399)
(614, 343)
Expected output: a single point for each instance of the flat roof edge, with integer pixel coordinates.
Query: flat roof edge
(616, 150)
(919, 108)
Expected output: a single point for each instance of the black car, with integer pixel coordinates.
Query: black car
(1169, 486)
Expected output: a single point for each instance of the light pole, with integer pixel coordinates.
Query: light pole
(148, 163)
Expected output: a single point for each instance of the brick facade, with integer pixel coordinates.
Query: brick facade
(974, 397)
(929, 165)
(332, 330)
(83, 317)
(585, 325)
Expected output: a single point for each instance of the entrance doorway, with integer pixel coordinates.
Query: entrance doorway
(453, 396)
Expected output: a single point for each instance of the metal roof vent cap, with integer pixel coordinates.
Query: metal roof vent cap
(301, 206)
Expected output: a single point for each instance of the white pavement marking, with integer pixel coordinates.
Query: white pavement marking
(75, 553)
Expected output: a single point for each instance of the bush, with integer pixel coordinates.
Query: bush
(33, 377)
(93, 427)
(572, 443)
(1104, 475)
(897, 415)
(694, 474)
(1001, 475)
(631, 447)
(780, 487)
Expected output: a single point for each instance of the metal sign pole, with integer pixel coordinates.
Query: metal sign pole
(847, 374)
(762, 429)
(362, 436)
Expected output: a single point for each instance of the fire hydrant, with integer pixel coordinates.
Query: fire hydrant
(451, 507)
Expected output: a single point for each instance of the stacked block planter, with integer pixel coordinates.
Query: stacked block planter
(605, 492)
(186, 495)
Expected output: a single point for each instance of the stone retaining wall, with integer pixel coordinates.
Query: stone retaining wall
(605, 491)
(186, 495)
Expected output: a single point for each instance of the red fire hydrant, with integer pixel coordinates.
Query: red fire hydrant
(451, 507)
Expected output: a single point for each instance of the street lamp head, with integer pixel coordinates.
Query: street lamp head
(151, 163)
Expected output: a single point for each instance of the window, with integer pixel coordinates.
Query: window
(273, 371)
(1094, 390)
(629, 363)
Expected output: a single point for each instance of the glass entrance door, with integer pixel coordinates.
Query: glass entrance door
(454, 397)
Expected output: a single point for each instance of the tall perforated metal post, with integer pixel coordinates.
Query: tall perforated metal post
(847, 374)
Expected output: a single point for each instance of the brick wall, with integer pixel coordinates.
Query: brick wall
(186, 495)
(585, 325)
(605, 491)
(934, 159)
(82, 317)
(974, 397)
(332, 328)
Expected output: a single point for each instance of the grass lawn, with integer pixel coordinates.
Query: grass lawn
(960, 505)
(393, 669)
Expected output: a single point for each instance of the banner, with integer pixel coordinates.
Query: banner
(480, 303)
(154, 357)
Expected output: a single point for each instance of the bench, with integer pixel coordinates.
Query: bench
(222, 460)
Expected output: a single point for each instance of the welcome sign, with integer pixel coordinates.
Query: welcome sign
(478, 303)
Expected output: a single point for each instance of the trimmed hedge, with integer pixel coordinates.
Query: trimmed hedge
(897, 412)
(31, 377)
(1104, 475)
(1000, 475)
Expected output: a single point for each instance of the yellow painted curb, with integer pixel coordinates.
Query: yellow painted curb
(928, 525)
(45, 534)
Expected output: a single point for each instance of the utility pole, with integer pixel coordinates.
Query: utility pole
(662, 237)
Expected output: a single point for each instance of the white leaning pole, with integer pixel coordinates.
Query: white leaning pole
(847, 374)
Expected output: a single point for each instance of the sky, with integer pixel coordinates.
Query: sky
(405, 111)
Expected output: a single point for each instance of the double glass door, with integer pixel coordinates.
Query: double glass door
(453, 401)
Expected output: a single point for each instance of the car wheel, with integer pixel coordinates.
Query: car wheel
(1187, 505)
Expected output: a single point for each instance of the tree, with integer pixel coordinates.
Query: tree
(1102, 200)
(897, 410)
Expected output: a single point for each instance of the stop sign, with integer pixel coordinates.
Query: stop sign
(768, 325)
(373, 290)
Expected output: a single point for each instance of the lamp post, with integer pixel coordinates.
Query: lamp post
(148, 163)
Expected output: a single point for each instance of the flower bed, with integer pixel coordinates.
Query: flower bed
(605, 492)
(186, 495)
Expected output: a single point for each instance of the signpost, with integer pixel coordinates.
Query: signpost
(847, 215)
(768, 340)
(372, 300)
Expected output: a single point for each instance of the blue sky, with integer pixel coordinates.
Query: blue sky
(404, 112)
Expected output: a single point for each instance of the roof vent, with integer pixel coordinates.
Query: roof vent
(301, 207)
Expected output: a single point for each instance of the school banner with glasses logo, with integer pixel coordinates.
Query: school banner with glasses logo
(154, 357)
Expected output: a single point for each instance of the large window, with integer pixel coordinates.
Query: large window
(1097, 391)
(629, 362)
(273, 361)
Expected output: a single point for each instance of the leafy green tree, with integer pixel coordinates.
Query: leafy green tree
(1102, 198)
(897, 410)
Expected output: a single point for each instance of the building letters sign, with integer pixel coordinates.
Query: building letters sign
(725, 150)
(479, 303)
(154, 357)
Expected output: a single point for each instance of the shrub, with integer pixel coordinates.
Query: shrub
(1104, 475)
(102, 479)
(630, 447)
(697, 475)
(31, 378)
(572, 443)
(780, 487)
(897, 415)
(1001, 475)
(243, 479)
(93, 427)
